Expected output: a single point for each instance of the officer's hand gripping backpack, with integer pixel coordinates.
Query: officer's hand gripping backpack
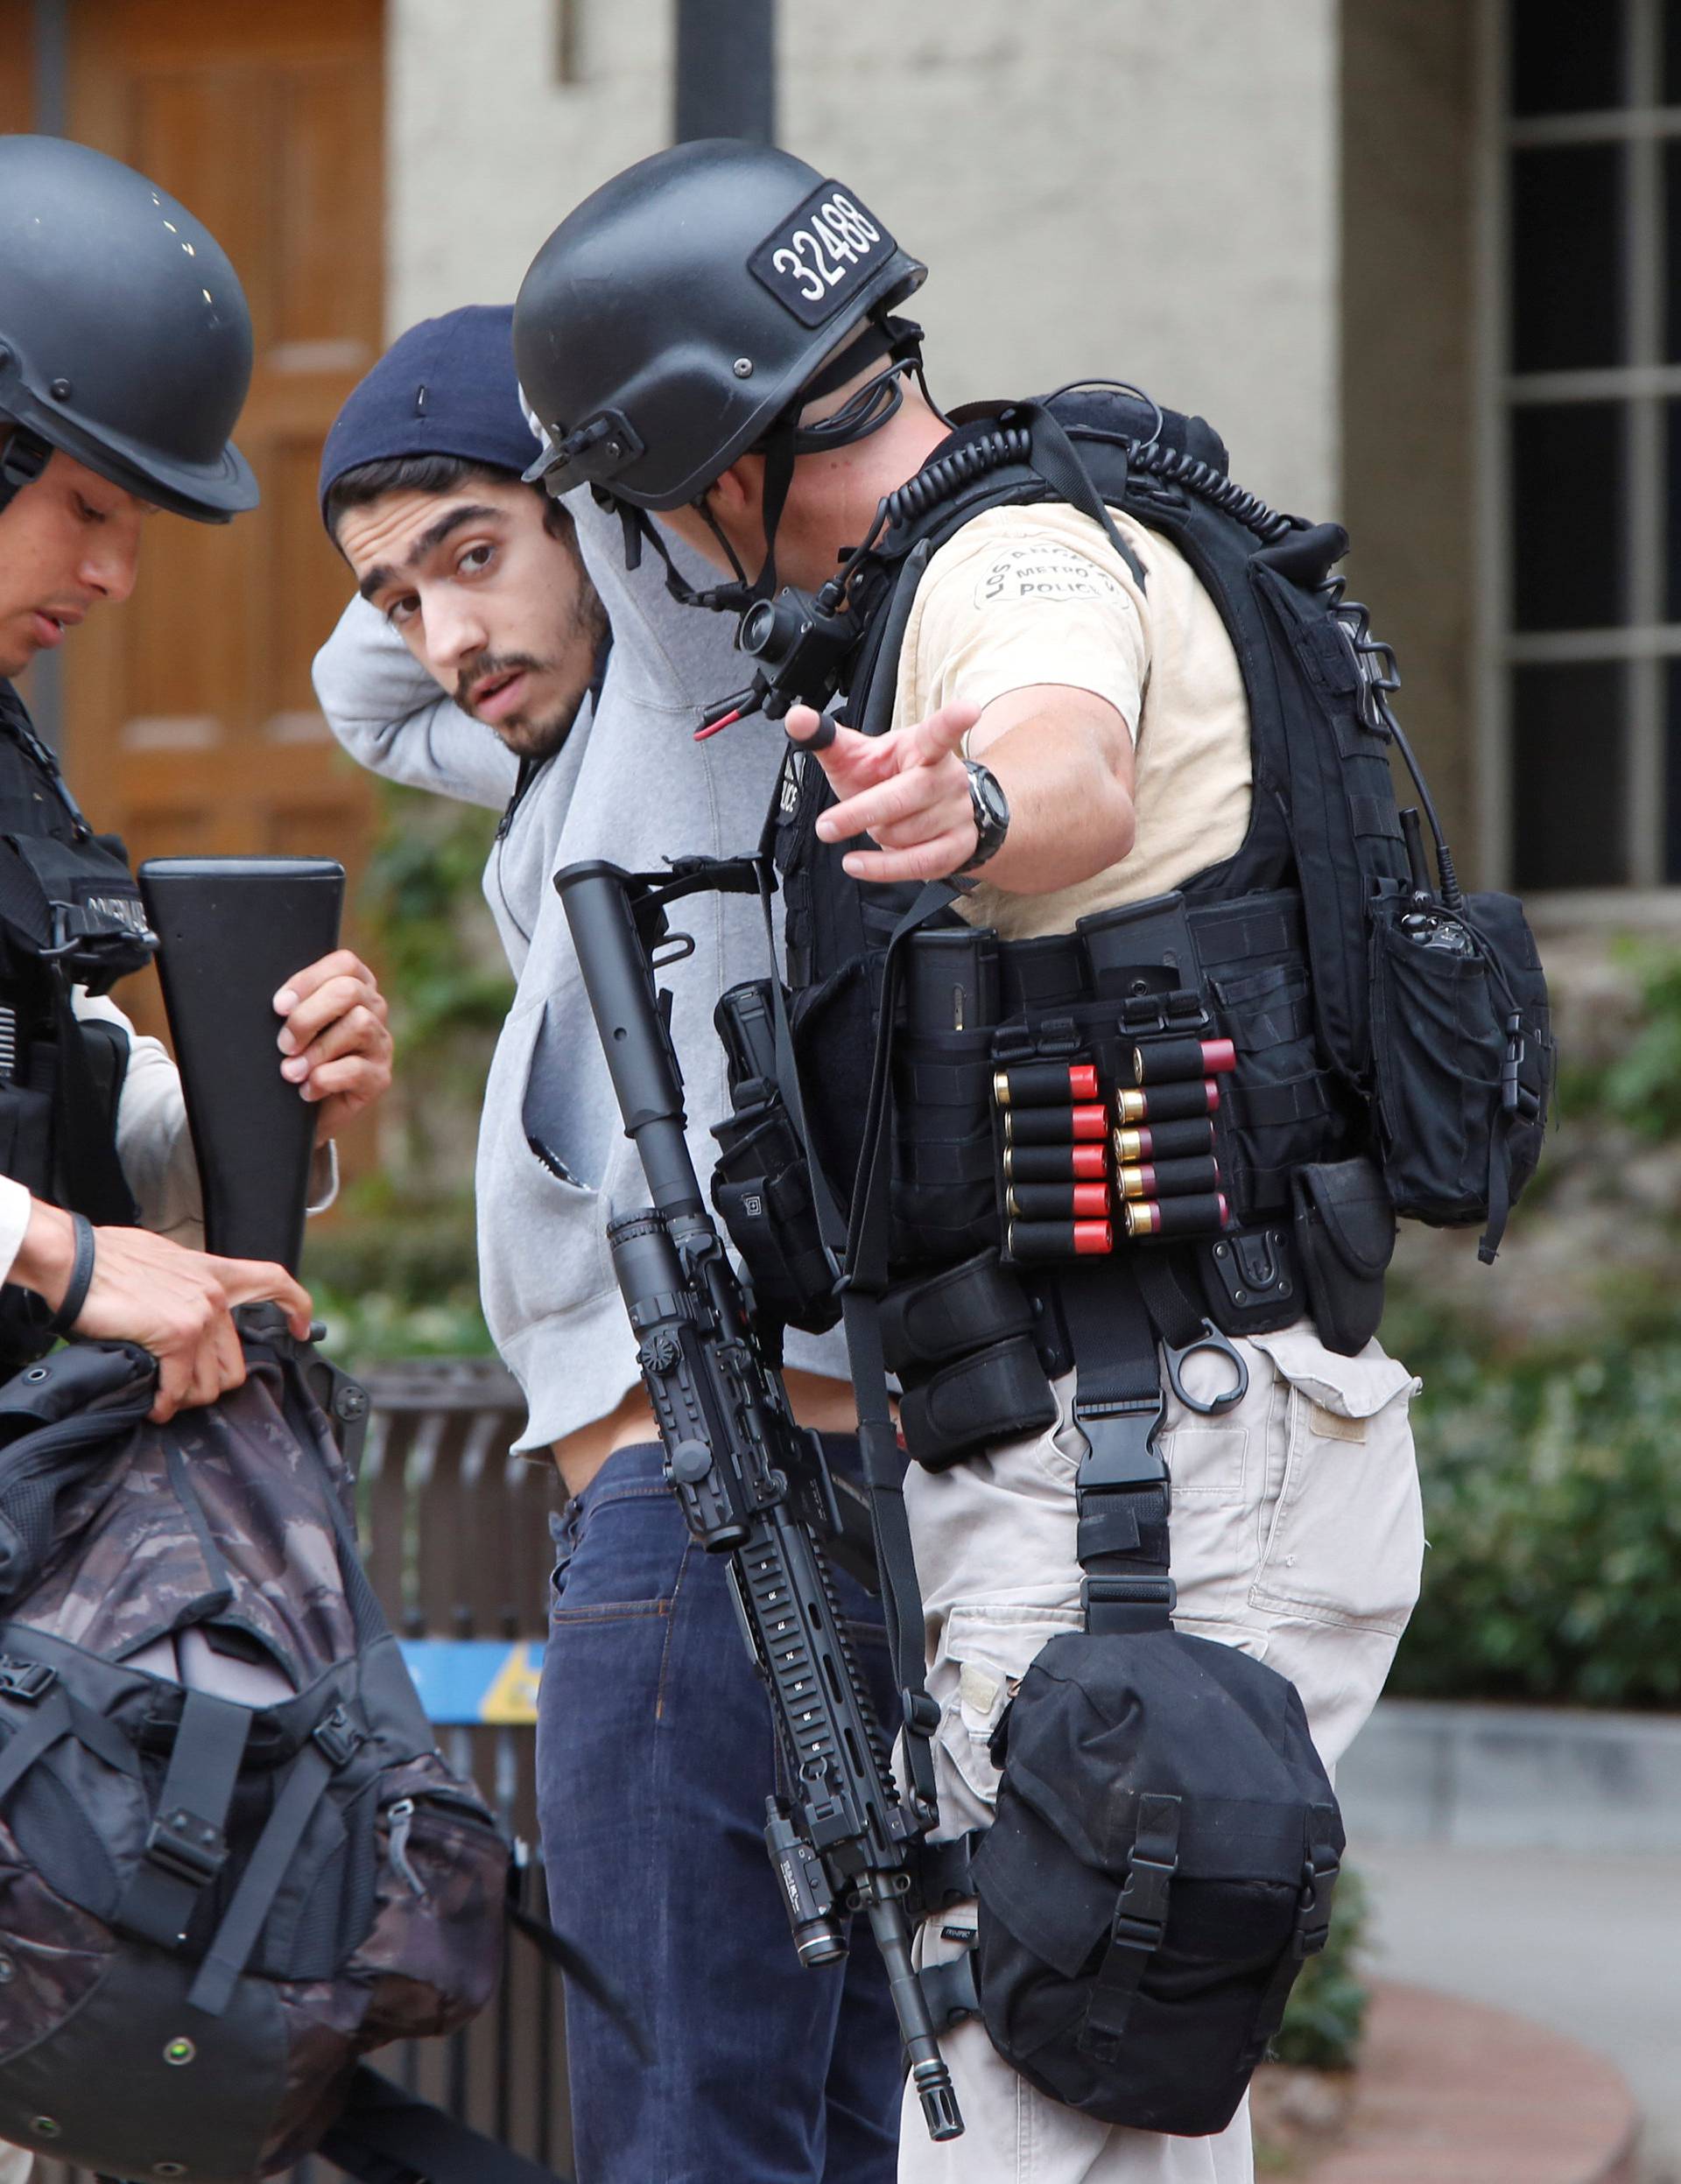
(231, 1859)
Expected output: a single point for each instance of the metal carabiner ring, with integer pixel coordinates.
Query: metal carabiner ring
(1210, 1338)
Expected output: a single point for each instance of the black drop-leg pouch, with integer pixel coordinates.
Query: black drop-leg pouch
(1343, 1227)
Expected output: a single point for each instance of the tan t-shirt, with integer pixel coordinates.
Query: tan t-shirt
(1028, 595)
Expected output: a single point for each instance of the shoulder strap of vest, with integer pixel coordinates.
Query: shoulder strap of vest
(66, 892)
(90, 1178)
(1055, 460)
(16, 723)
(1003, 455)
(887, 638)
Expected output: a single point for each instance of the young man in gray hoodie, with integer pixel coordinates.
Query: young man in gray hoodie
(654, 1745)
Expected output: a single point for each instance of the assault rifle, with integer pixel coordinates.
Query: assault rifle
(231, 930)
(752, 1484)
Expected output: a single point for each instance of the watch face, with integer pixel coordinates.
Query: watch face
(990, 808)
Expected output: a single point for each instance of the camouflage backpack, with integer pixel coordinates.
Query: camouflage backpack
(231, 1859)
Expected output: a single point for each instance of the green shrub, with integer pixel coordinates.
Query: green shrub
(1553, 1504)
(1639, 1084)
(419, 903)
(1551, 1460)
(396, 1277)
(422, 912)
(393, 1270)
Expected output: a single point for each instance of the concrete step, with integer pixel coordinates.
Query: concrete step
(1516, 1778)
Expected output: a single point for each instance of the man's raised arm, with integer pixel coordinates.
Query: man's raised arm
(388, 712)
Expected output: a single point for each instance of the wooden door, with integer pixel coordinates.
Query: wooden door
(16, 64)
(189, 722)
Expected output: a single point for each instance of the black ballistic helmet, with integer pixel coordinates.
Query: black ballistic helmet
(670, 321)
(125, 338)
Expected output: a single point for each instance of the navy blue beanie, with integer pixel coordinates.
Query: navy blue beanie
(447, 386)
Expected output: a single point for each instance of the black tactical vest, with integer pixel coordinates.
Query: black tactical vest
(1319, 950)
(832, 919)
(70, 915)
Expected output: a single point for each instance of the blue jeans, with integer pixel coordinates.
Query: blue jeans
(654, 1759)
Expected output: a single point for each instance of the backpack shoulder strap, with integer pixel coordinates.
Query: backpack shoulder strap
(385, 2135)
(1319, 737)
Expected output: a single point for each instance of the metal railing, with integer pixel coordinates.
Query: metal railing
(455, 1534)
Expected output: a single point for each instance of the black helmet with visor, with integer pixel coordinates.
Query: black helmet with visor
(125, 338)
(685, 312)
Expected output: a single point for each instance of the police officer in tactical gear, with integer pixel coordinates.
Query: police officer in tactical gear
(125, 352)
(1040, 691)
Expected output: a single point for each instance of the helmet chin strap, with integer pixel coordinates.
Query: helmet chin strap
(639, 530)
(736, 597)
(25, 455)
(779, 449)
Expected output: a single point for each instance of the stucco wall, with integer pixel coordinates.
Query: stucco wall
(1120, 187)
(1408, 446)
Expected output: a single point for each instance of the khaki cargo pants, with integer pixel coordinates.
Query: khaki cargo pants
(1296, 1533)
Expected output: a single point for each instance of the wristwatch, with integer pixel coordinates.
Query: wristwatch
(990, 807)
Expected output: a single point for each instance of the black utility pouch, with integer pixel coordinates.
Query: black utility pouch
(1162, 1864)
(961, 1344)
(1275, 1107)
(941, 1189)
(761, 1185)
(1462, 1053)
(994, 1394)
(1345, 1238)
(762, 1188)
(1531, 1060)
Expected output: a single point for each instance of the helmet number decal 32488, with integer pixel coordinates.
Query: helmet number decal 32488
(820, 257)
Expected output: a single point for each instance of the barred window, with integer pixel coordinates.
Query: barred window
(1584, 602)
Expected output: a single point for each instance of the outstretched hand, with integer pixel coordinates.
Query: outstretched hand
(908, 790)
